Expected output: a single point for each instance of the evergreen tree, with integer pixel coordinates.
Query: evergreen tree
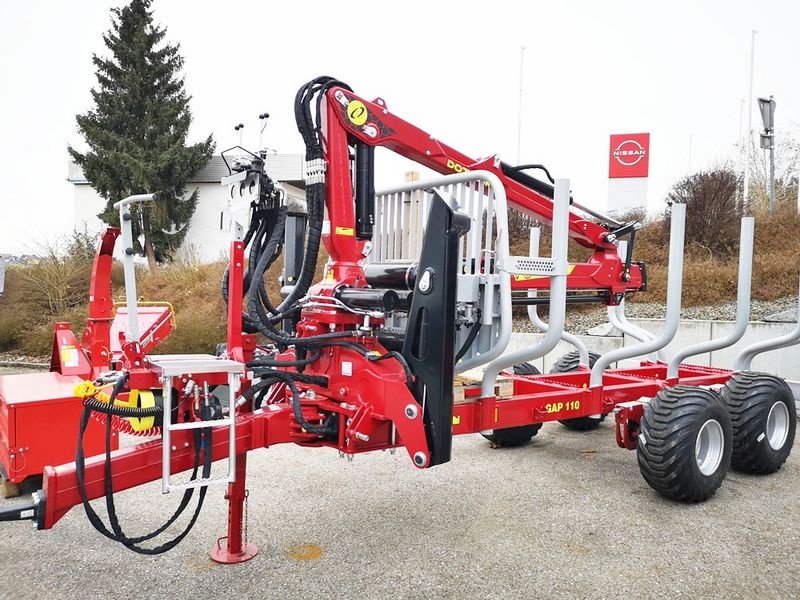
(136, 132)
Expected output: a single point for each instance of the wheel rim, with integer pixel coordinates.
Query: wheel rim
(709, 447)
(777, 425)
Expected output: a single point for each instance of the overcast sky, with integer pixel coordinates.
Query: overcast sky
(676, 69)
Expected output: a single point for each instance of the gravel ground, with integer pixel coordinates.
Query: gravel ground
(581, 319)
(568, 516)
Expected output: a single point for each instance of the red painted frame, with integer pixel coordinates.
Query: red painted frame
(375, 407)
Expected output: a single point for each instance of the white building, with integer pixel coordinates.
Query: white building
(208, 238)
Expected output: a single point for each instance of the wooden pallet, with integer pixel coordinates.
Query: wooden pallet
(467, 381)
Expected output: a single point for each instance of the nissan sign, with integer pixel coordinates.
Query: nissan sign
(629, 155)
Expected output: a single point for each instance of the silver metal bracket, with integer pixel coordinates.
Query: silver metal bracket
(170, 366)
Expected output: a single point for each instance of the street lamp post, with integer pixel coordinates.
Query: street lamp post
(767, 108)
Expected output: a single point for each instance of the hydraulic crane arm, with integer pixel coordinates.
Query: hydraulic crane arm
(351, 121)
(371, 123)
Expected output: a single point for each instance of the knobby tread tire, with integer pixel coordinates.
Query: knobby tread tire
(668, 434)
(749, 397)
(512, 437)
(567, 363)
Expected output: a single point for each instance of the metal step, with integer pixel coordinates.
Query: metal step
(170, 366)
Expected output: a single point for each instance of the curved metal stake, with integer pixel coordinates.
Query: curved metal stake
(558, 295)
(742, 304)
(748, 353)
(673, 313)
(533, 314)
(617, 318)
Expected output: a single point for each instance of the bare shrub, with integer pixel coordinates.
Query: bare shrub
(712, 208)
(59, 279)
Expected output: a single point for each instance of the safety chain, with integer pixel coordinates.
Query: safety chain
(246, 513)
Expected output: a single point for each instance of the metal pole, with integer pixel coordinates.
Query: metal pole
(519, 114)
(129, 268)
(772, 175)
(746, 192)
(741, 116)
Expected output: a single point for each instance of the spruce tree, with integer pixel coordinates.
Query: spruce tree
(136, 132)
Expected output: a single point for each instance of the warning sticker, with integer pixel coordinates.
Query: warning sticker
(357, 113)
(69, 356)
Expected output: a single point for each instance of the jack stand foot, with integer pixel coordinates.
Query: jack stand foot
(223, 556)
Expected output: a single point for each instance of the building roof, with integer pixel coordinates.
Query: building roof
(286, 168)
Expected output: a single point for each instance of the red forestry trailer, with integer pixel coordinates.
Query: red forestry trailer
(404, 342)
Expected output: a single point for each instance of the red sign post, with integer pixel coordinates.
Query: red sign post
(629, 155)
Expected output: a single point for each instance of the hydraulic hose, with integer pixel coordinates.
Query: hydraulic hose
(202, 439)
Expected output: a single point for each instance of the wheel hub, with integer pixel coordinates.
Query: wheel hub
(709, 447)
(777, 425)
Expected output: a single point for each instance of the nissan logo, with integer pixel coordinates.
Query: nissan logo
(628, 153)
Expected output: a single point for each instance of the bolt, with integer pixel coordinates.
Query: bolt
(174, 448)
(411, 411)
(311, 394)
(349, 458)
(420, 459)
(425, 282)
(343, 391)
(185, 444)
(392, 451)
(341, 454)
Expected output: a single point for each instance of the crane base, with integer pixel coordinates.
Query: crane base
(223, 556)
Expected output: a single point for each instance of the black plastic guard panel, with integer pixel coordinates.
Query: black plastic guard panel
(430, 335)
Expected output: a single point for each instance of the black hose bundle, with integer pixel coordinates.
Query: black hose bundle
(264, 238)
(270, 377)
(265, 234)
(202, 439)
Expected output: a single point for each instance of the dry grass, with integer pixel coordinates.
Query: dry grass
(56, 289)
(710, 277)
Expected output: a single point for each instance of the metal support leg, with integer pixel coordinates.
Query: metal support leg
(237, 549)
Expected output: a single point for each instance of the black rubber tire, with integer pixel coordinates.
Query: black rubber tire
(750, 397)
(526, 369)
(667, 438)
(512, 437)
(567, 363)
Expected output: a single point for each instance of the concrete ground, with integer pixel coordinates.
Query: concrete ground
(568, 516)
